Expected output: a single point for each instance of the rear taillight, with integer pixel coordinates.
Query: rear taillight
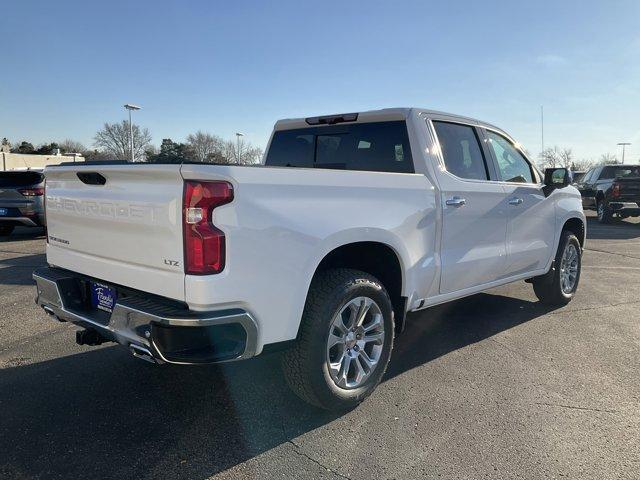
(615, 190)
(204, 244)
(44, 211)
(32, 192)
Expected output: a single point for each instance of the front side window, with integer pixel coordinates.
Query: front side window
(512, 166)
(376, 146)
(461, 150)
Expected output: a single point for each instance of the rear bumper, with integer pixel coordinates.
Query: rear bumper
(24, 221)
(150, 328)
(25, 213)
(625, 208)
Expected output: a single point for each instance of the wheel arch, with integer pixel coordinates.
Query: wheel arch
(576, 226)
(378, 259)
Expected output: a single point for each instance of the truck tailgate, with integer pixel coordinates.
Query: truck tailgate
(127, 231)
(629, 189)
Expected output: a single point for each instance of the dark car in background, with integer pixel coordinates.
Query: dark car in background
(611, 190)
(21, 200)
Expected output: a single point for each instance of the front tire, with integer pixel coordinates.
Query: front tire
(559, 285)
(345, 340)
(604, 212)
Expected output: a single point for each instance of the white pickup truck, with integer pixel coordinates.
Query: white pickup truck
(350, 222)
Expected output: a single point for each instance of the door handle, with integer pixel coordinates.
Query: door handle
(516, 201)
(456, 202)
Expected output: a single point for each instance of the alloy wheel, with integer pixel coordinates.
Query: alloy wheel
(355, 342)
(569, 268)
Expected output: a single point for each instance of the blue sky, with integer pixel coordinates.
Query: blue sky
(222, 67)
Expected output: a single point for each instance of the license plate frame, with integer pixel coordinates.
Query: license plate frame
(103, 297)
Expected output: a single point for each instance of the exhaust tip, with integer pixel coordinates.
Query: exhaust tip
(49, 311)
(142, 353)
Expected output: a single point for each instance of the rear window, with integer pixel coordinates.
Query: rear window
(20, 179)
(620, 172)
(377, 147)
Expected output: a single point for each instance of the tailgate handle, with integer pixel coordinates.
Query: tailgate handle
(91, 178)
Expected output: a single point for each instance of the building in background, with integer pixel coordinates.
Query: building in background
(24, 161)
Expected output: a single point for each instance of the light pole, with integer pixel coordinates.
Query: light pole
(130, 107)
(624, 144)
(238, 135)
(542, 126)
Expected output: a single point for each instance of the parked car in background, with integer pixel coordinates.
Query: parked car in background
(352, 221)
(577, 176)
(611, 190)
(21, 200)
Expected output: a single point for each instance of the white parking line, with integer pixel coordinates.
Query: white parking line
(612, 268)
(617, 244)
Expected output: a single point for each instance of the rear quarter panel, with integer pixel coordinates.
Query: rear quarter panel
(283, 221)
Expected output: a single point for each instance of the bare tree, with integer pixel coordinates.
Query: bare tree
(556, 157)
(241, 153)
(206, 147)
(582, 165)
(566, 157)
(550, 157)
(71, 146)
(114, 140)
(608, 159)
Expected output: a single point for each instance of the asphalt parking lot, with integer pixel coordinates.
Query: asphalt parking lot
(493, 386)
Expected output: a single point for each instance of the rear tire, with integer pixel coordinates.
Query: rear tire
(5, 230)
(559, 285)
(333, 296)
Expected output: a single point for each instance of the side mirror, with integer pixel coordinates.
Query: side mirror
(557, 177)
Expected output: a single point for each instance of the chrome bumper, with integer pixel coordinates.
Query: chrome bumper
(618, 206)
(144, 325)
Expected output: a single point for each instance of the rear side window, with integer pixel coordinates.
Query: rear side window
(461, 150)
(377, 147)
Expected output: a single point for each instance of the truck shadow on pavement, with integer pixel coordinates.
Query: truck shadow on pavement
(616, 230)
(18, 270)
(24, 233)
(103, 414)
